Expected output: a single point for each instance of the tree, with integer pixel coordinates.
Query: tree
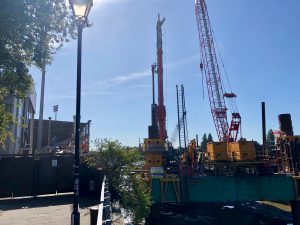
(16, 84)
(209, 138)
(126, 187)
(31, 31)
(258, 148)
(6, 118)
(270, 141)
(204, 142)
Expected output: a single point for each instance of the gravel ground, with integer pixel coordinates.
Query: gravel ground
(43, 210)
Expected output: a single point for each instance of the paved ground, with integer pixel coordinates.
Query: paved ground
(48, 210)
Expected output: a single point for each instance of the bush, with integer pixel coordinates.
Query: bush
(127, 187)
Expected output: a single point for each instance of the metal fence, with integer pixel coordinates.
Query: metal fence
(43, 174)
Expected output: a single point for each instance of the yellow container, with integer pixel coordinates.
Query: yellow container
(242, 151)
(217, 151)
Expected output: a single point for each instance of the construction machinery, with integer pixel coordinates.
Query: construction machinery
(229, 170)
(287, 147)
(155, 145)
(227, 149)
(158, 68)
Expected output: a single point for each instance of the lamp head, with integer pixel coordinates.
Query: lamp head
(81, 9)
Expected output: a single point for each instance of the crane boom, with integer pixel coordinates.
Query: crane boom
(209, 64)
(161, 109)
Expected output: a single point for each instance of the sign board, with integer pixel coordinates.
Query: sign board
(54, 163)
(157, 172)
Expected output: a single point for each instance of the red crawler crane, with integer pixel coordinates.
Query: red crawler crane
(209, 65)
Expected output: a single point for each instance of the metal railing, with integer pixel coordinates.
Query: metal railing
(104, 209)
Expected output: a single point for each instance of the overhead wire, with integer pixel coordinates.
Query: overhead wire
(202, 73)
(202, 69)
(232, 102)
(166, 74)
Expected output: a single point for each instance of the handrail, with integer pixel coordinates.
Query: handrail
(100, 209)
(104, 208)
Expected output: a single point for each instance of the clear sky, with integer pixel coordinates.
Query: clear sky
(260, 46)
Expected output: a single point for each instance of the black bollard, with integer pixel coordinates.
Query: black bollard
(93, 215)
(295, 205)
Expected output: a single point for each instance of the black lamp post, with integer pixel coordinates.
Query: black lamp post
(81, 9)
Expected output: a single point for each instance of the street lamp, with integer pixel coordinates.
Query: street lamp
(55, 109)
(81, 9)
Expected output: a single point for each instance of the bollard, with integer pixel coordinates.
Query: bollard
(93, 215)
(296, 212)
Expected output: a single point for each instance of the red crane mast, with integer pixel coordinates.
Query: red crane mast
(161, 109)
(209, 64)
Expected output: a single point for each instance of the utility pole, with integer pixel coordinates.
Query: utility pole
(40, 127)
(49, 134)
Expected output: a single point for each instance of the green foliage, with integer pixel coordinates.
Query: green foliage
(258, 147)
(126, 187)
(11, 84)
(270, 141)
(204, 142)
(210, 138)
(135, 197)
(17, 84)
(6, 119)
(31, 31)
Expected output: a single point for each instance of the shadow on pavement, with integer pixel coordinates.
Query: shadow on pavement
(44, 201)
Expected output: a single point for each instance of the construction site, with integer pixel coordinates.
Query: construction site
(231, 169)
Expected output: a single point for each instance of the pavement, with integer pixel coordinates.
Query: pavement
(46, 210)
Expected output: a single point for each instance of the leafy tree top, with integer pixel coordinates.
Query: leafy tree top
(210, 138)
(30, 33)
(32, 30)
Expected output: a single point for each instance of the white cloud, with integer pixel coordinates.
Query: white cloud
(98, 3)
(72, 95)
(133, 76)
(120, 80)
(124, 78)
(140, 86)
(97, 93)
(58, 96)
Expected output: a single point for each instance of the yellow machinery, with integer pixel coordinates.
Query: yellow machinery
(241, 151)
(231, 151)
(192, 154)
(154, 150)
(217, 151)
(287, 153)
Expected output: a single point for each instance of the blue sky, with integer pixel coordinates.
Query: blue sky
(260, 46)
